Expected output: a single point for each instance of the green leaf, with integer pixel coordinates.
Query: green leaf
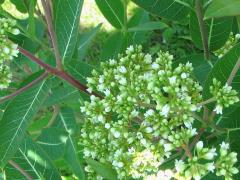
(53, 142)
(21, 6)
(102, 169)
(222, 69)
(17, 116)
(218, 31)
(222, 8)
(113, 46)
(62, 94)
(66, 23)
(149, 26)
(169, 9)
(1, 1)
(67, 122)
(33, 160)
(84, 41)
(113, 11)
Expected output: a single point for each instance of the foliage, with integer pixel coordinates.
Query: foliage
(152, 99)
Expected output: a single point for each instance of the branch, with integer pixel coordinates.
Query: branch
(60, 73)
(47, 10)
(204, 35)
(207, 101)
(234, 72)
(22, 171)
(23, 89)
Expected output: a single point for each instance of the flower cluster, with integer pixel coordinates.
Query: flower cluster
(146, 113)
(225, 96)
(228, 45)
(8, 50)
(202, 163)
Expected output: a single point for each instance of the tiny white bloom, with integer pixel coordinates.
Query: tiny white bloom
(179, 165)
(107, 126)
(107, 92)
(183, 75)
(172, 80)
(210, 154)
(149, 112)
(123, 70)
(224, 146)
(155, 65)
(165, 110)
(123, 81)
(6, 50)
(218, 109)
(199, 145)
(116, 134)
(210, 167)
(130, 49)
(15, 31)
(149, 130)
(168, 147)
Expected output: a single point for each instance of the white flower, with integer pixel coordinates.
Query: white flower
(123, 81)
(107, 92)
(101, 79)
(210, 154)
(237, 36)
(184, 75)
(90, 90)
(224, 146)
(179, 165)
(149, 130)
(6, 50)
(149, 112)
(122, 69)
(148, 58)
(210, 167)
(218, 109)
(155, 65)
(168, 147)
(165, 110)
(172, 80)
(107, 126)
(199, 145)
(116, 134)
(130, 49)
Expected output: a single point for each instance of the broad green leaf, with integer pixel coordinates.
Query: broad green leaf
(169, 9)
(66, 22)
(33, 160)
(139, 17)
(113, 11)
(62, 94)
(84, 41)
(222, 69)
(113, 46)
(80, 70)
(218, 31)
(67, 122)
(104, 170)
(17, 116)
(149, 26)
(222, 8)
(53, 142)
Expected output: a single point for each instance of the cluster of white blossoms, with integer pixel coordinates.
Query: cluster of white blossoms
(228, 45)
(8, 50)
(224, 96)
(145, 115)
(207, 160)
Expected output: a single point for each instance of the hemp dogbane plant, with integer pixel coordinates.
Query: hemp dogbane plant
(8, 50)
(147, 115)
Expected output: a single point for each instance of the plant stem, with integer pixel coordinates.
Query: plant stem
(207, 101)
(47, 10)
(204, 35)
(22, 171)
(21, 90)
(60, 73)
(234, 72)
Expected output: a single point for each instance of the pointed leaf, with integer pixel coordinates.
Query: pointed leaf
(113, 11)
(33, 160)
(149, 26)
(221, 8)
(16, 118)
(67, 14)
(170, 9)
